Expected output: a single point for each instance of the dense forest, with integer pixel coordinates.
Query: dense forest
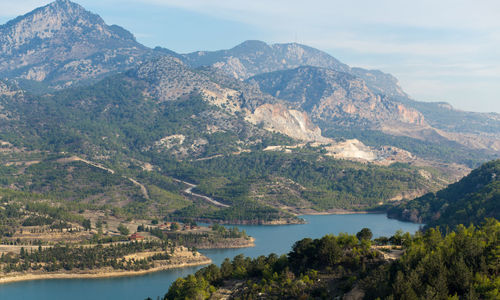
(254, 183)
(467, 201)
(461, 264)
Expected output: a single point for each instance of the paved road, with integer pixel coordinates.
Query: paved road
(189, 191)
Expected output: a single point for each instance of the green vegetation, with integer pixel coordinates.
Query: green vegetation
(218, 237)
(327, 182)
(113, 123)
(468, 201)
(462, 264)
(113, 117)
(19, 209)
(247, 211)
(123, 229)
(291, 276)
(67, 257)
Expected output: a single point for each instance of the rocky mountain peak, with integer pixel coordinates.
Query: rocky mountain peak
(251, 46)
(66, 5)
(47, 22)
(252, 57)
(62, 42)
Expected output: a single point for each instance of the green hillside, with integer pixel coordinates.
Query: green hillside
(468, 201)
(116, 124)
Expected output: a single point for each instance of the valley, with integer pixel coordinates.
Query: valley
(117, 159)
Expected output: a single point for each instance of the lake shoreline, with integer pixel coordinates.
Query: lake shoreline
(181, 261)
(100, 275)
(339, 212)
(268, 239)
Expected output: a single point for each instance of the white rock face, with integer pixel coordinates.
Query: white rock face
(351, 149)
(294, 123)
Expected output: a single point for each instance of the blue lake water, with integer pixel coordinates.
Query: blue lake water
(268, 239)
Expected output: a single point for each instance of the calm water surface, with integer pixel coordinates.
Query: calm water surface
(268, 239)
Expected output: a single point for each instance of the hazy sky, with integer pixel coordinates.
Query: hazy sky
(440, 50)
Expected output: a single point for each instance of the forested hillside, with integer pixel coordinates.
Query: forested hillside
(468, 201)
(266, 131)
(153, 142)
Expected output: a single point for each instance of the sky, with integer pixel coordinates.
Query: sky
(440, 50)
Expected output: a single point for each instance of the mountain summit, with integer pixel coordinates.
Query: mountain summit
(256, 57)
(62, 42)
(252, 58)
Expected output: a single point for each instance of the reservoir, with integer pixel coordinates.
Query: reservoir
(268, 239)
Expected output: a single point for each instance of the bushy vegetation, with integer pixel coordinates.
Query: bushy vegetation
(114, 117)
(329, 183)
(67, 257)
(292, 276)
(245, 211)
(30, 209)
(463, 264)
(216, 238)
(113, 122)
(467, 201)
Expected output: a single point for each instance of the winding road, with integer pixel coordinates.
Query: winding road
(189, 191)
(144, 190)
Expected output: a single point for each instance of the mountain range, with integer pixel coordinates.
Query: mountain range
(63, 45)
(73, 85)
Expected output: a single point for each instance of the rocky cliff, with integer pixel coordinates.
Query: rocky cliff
(293, 123)
(337, 97)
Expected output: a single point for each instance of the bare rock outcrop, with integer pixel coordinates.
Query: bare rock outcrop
(293, 123)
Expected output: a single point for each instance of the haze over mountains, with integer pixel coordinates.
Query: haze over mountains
(293, 89)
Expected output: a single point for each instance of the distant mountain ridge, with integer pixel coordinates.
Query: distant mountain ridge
(290, 88)
(255, 57)
(333, 96)
(252, 58)
(394, 113)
